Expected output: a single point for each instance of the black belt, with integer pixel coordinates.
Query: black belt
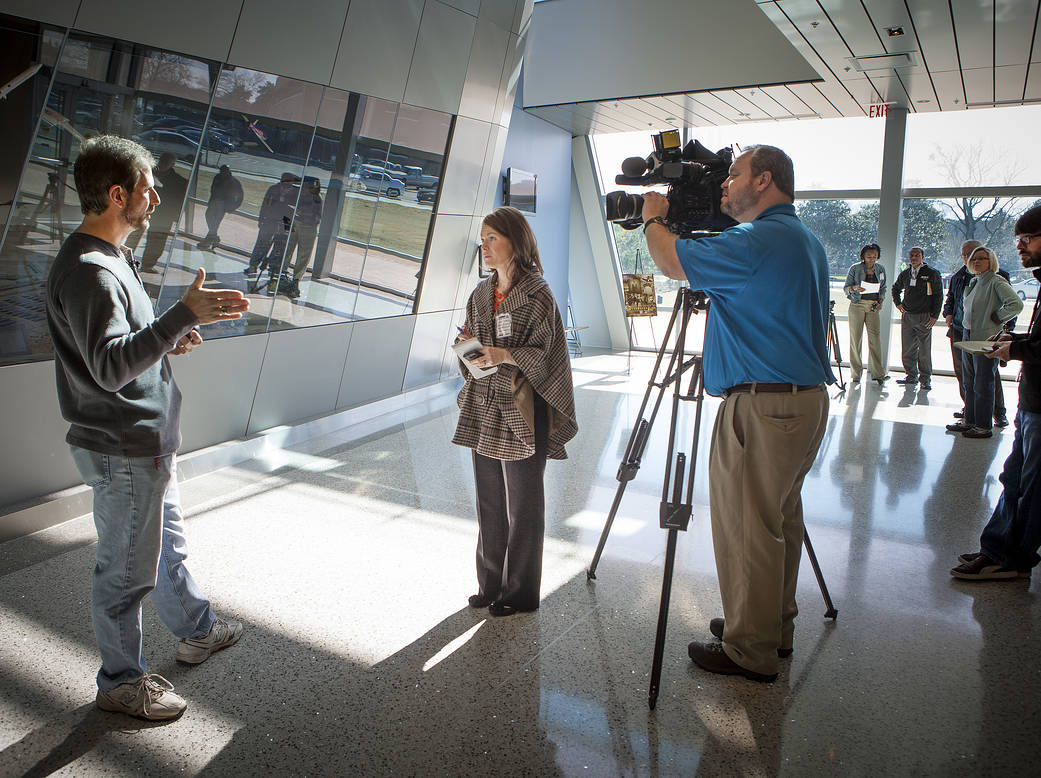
(754, 388)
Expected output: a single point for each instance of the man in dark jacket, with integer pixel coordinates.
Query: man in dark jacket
(952, 311)
(1010, 541)
(173, 188)
(225, 198)
(917, 294)
(117, 391)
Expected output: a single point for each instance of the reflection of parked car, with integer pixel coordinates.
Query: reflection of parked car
(426, 195)
(1026, 289)
(162, 141)
(421, 180)
(378, 181)
(216, 140)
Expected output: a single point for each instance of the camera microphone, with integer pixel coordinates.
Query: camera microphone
(634, 166)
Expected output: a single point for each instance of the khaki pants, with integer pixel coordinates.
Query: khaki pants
(762, 447)
(861, 316)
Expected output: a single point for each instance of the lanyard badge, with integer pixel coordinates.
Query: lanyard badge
(503, 325)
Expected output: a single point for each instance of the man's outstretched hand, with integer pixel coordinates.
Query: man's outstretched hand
(210, 305)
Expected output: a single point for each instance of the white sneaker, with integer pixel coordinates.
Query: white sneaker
(150, 697)
(222, 634)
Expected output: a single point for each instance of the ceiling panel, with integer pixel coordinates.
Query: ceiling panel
(952, 43)
(934, 32)
(815, 99)
(949, 88)
(1014, 31)
(853, 24)
(789, 100)
(1010, 80)
(979, 85)
(974, 28)
(684, 105)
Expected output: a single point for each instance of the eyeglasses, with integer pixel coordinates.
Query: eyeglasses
(1024, 239)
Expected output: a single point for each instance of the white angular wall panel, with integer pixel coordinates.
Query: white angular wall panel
(298, 41)
(450, 248)
(218, 381)
(472, 7)
(375, 366)
(523, 15)
(490, 193)
(199, 27)
(442, 53)
(61, 12)
(36, 458)
(376, 49)
(465, 165)
(469, 274)
(484, 72)
(511, 76)
(433, 333)
(301, 375)
(502, 13)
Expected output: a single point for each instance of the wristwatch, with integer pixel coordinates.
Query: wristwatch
(654, 220)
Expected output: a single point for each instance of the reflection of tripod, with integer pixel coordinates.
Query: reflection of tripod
(674, 515)
(833, 343)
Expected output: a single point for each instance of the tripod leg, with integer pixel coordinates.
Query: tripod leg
(663, 619)
(831, 611)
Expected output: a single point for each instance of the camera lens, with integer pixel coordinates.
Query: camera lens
(622, 206)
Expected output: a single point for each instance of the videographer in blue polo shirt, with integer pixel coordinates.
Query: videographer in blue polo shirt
(766, 356)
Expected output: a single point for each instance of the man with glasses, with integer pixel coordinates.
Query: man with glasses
(770, 367)
(1010, 541)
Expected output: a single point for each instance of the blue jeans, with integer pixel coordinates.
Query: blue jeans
(979, 374)
(1013, 534)
(141, 549)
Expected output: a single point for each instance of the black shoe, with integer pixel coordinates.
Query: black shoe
(1001, 421)
(716, 628)
(907, 381)
(926, 386)
(881, 381)
(972, 557)
(712, 657)
(501, 609)
(959, 415)
(983, 568)
(977, 432)
(958, 426)
(477, 601)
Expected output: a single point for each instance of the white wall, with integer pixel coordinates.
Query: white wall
(459, 57)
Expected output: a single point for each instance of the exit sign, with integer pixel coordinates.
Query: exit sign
(878, 110)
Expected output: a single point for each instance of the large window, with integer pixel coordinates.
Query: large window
(316, 202)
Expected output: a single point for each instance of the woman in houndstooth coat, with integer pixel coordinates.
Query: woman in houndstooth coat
(517, 417)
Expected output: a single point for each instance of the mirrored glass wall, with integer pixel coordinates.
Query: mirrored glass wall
(317, 203)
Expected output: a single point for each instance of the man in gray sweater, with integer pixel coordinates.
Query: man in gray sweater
(117, 390)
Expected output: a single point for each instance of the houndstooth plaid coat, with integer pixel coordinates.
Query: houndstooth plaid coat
(496, 413)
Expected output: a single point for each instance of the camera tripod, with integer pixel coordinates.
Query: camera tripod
(675, 513)
(833, 342)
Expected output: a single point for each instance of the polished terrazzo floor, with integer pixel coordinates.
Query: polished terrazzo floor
(350, 558)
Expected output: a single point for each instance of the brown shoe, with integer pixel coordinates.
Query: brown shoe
(712, 657)
(716, 628)
(983, 568)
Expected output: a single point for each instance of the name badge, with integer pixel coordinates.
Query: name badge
(503, 325)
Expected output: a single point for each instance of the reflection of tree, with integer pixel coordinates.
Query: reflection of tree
(167, 73)
(986, 219)
(240, 87)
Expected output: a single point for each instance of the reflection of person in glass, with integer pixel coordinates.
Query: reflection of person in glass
(989, 302)
(517, 417)
(1009, 543)
(225, 197)
(864, 304)
(770, 365)
(173, 188)
(304, 232)
(116, 388)
(276, 214)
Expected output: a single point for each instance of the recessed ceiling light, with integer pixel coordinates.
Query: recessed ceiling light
(894, 32)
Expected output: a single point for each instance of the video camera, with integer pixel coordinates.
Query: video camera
(694, 176)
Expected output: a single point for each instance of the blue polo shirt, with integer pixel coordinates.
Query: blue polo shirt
(768, 282)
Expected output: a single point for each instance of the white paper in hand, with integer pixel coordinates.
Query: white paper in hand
(471, 348)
